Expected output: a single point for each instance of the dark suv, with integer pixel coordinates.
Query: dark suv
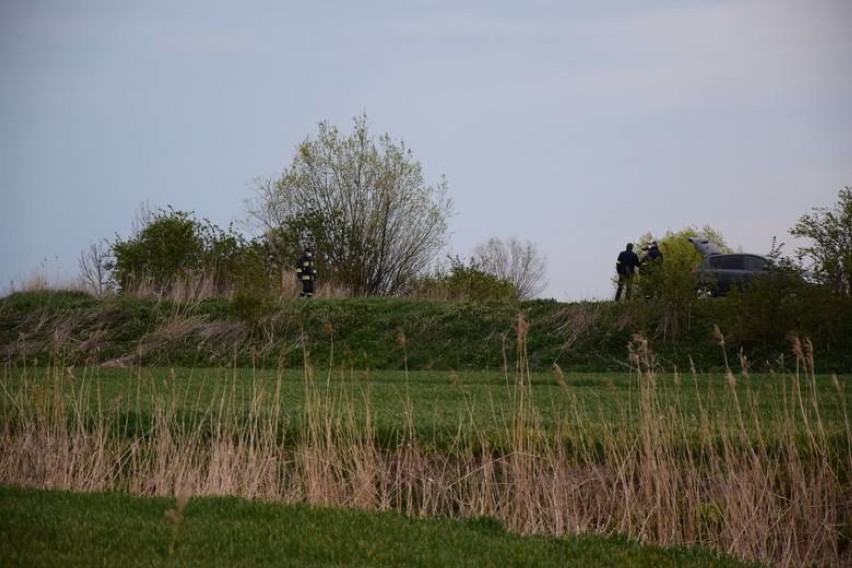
(721, 272)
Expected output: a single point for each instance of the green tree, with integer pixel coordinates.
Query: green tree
(169, 246)
(515, 262)
(673, 278)
(362, 204)
(830, 230)
(670, 285)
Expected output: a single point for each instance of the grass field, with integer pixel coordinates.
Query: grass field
(757, 466)
(437, 405)
(48, 528)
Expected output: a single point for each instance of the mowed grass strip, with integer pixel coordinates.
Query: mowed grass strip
(49, 528)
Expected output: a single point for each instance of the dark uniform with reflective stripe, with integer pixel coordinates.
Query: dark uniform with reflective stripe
(306, 273)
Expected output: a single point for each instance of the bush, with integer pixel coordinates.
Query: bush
(176, 249)
(170, 245)
(770, 308)
(250, 308)
(669, 285)
(466, 283)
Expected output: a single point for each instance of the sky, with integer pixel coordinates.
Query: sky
(577, 126)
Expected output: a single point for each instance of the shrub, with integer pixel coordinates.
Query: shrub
(465, 282)
(176, 251)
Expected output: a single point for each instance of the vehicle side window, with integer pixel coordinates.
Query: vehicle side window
(755, 263)
(727, 262)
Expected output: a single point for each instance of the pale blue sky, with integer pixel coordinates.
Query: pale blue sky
(575, 125)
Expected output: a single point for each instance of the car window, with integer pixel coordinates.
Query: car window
(727, 262)
(755, 263)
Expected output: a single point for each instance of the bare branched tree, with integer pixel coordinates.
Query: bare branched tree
(95, 272)
(518, 263)
(362, 204)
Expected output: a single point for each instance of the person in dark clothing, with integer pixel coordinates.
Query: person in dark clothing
(625, 266)
(653, 253)
(306, 273)
(651, 263)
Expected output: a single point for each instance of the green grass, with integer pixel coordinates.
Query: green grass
(49, 528)
(367, 332)
(437, 403)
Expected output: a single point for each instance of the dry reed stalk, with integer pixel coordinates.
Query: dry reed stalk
(559, 375)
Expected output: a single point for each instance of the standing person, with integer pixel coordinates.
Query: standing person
(625, 266)
(653, 253)
(651, 262)
(306, 273)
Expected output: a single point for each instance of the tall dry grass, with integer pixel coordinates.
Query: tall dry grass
(776, 493)
(204, 285)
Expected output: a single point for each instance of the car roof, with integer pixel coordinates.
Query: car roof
(705, 246)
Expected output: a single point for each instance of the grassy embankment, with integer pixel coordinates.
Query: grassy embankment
(422, 334)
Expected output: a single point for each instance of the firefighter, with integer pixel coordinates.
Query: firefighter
(306, 274)
(625, 266)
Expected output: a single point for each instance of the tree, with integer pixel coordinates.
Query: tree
(95, 273)
(673, 277)
(170, 245)
(518, 263)
(670, 284)
(362, 204)
(830, 254)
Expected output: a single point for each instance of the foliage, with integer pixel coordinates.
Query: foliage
(250, 308)
(465, 282)
(30, 301)
(669, 283)
(770, 308)
(830, 229)
(363, 206)
(174, 245)
(520, 264)
(170, 245)
(236, 263)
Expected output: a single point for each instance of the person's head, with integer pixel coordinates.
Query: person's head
(308, 252)
(629, 246)
(653, 244)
